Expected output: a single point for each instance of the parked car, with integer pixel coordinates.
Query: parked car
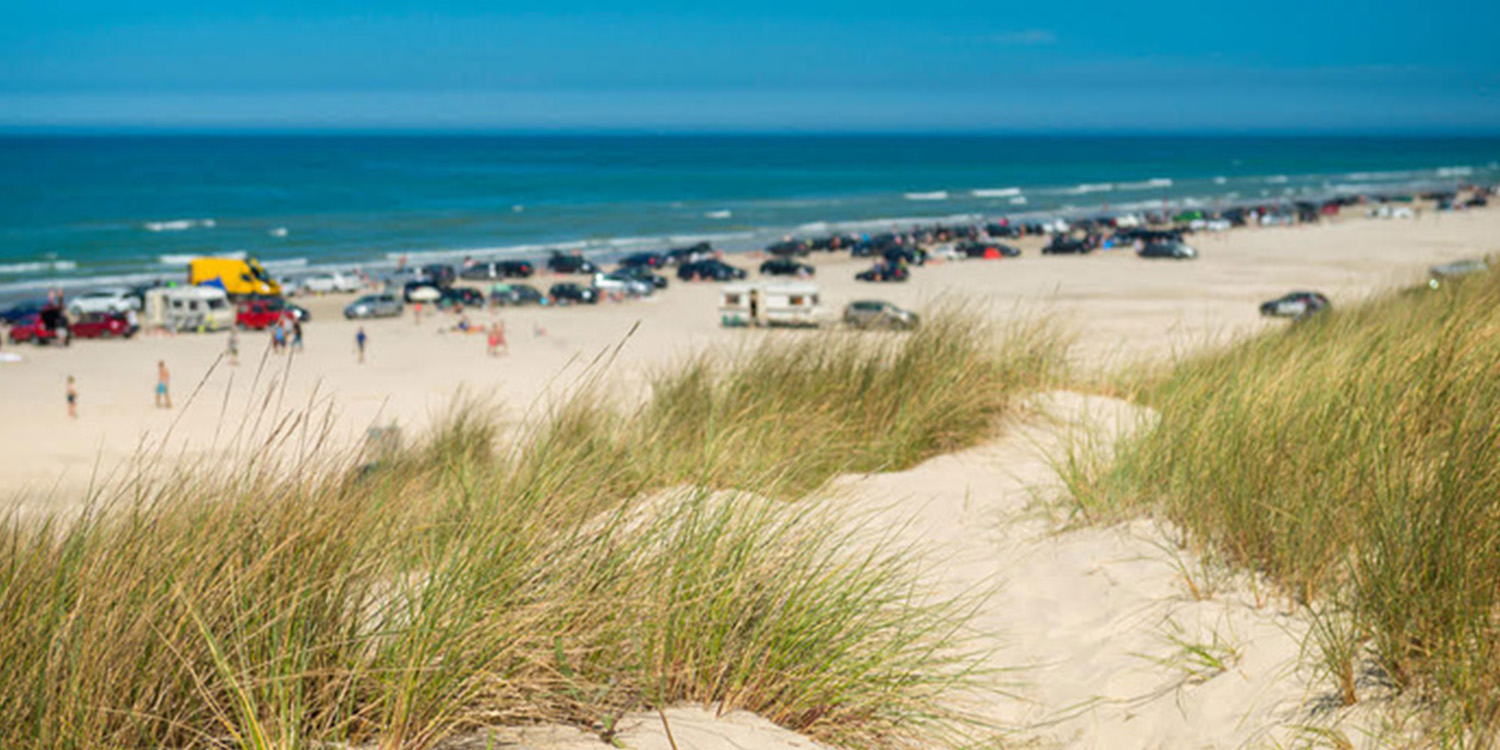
(647, 259)
(872, 313)
(710, 270)
(619, 284)
(1297, 305)
(256, 313)
(683, 255)
(1064, 246)
(103, 301)
(904, 254)
(328, 283)
(884, 272)
(500, 269)
(786, 266)
(642, 273)
(20, 310)
(574, 263)
(516, 295)
(438, 274)
(102, 326)
(1175, 250)
(568, 292)
(461, 296)
(789, 248)
(374, 306)
(989, 250)
(41, 328)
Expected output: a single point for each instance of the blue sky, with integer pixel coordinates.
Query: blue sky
(774, 65)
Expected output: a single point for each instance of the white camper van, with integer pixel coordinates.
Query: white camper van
(794, 303)
(192, 308)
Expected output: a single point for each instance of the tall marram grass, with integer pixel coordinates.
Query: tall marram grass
(1354, 459)
(606, 560)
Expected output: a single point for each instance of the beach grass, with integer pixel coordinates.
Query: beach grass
(1354, 460)
(598, 560)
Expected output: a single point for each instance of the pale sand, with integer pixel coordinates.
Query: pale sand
(1085, 617)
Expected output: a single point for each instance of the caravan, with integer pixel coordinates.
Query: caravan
(197, 308)
(773, 304)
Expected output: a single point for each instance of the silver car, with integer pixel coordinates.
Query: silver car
(375, 306)
(878, 314)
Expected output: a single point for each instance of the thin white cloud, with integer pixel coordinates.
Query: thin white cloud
(1025, 38)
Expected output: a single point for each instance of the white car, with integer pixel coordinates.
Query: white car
(609, 283)
(945, 251)
(103, 301)
(326, 283)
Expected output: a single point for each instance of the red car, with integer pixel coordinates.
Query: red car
(104, 326)
(256, 314)
(41, 328)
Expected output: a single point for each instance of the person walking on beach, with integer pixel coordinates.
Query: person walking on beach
(359, 343)
(296, 335)
(233, 349)
(163, 380)
(497, 339)
(72, 399)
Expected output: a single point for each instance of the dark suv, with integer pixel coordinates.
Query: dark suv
(575, 263)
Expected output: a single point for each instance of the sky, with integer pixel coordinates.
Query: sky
(768, 66)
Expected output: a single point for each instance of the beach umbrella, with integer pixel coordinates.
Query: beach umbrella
(425, 294)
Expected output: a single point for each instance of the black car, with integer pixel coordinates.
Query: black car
(568, 292)
(21, 310)
(788, 248)
(904, 254)
(692, 254)
(574, 263)
(642, 273)
(988, 250)
(438, 274)
(461, 296)
(710, 270)
(884, 272)
(500, 269)
(1174, 250)
(645, 259)
(786, 267)
(1297, 305)
(1061, 245)
(517, 295)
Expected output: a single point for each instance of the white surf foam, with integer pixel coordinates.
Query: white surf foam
(1153, 183)
(178, 225)
(1089, 187)
(174, 259)
(721, 214)
(1276, 179)
(935, 195)
(1009, 192)
(1019, 200)
(278, 232)
(37, 266)
(1455, 171)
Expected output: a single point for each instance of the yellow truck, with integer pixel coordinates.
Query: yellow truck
(240, 278)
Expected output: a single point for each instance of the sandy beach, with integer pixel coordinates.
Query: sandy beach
(1101, 637)
(1120, 308)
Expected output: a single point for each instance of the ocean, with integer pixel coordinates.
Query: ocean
(81, 210)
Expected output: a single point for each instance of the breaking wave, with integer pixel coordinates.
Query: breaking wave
(178, 225)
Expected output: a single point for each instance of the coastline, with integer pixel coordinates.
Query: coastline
(1121, 310)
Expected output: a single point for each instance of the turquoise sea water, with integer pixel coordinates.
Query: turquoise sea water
(79, 210)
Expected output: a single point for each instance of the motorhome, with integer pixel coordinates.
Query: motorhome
(194, 308)
(770, 304)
